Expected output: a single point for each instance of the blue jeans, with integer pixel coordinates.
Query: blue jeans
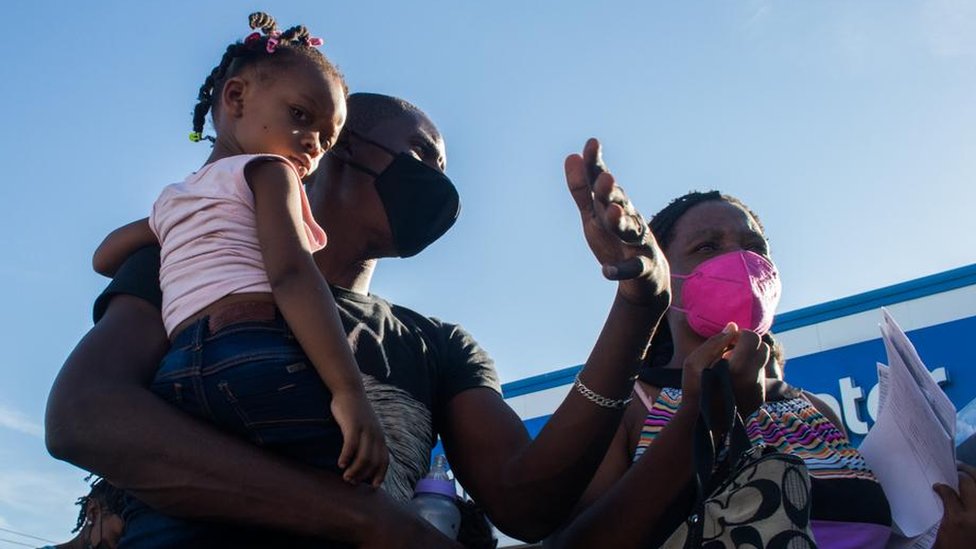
(251, 379)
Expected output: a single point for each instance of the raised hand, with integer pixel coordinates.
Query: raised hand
(615, 231)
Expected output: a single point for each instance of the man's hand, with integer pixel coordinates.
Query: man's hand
(399, 527)
(615, 231)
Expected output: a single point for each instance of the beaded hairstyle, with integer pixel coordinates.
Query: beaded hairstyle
(269, 47)
(662, 226)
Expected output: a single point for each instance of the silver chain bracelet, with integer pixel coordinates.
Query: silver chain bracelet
(598, 399)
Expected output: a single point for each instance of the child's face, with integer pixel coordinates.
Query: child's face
(295, 112)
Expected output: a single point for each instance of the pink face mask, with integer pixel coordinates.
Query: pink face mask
(741, 287)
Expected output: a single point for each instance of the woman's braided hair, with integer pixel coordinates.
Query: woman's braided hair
(662, 226)
(267, 46)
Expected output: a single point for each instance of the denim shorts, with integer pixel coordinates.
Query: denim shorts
(254, 380)
(251, 379)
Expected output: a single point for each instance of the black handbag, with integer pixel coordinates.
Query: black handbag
(746, 496)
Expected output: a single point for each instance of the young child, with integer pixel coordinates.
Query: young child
(239, 282)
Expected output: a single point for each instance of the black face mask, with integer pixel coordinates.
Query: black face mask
(421, 203)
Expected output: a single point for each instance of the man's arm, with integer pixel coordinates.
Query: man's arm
(101, 417)
(529, 489)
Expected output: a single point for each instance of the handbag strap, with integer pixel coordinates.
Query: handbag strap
(716, 382)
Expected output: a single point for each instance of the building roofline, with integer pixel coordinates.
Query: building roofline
(845, 306)
(889, 295)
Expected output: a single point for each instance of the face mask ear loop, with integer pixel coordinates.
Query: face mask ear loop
(682, 277)
(378, 145)
(742, 259)
(364, 169)
(356, 165)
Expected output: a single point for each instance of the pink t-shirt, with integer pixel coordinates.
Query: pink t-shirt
(208, 232)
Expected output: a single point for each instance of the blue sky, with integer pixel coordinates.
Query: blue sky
(849, 127)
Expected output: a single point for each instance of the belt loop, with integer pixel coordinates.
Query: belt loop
(200, 332)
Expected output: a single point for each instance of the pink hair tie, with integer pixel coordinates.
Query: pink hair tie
(315, 41)
(251, 38)
(271, 45)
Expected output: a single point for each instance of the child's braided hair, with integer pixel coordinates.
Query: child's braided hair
(267, 46)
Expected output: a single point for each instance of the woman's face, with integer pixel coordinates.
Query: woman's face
(705, 231)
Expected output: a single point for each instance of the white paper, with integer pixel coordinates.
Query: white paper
(882, 385)
(923, 541)
(896, 342)
(910, 447)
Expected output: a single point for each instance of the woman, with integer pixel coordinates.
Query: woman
(642, 490)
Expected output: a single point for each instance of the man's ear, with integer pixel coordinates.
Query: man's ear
(232, 96)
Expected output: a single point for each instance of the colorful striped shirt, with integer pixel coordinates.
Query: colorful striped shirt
(849, 508)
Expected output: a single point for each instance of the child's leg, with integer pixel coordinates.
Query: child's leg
(252, 378)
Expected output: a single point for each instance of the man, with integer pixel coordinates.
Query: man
(379, 193)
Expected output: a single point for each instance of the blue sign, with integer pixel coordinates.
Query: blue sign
(849, 374)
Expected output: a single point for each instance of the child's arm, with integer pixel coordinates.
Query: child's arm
(120, 244)
(307, 305)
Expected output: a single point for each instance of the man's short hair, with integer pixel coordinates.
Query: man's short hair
(367, 110)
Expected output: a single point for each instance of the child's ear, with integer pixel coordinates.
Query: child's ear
(232, 96)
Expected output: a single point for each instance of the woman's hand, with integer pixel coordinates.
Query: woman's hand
(746, 353)
(615, 231)
(958, 527)
(703, 357)
(747, 360)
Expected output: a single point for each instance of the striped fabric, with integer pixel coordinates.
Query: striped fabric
(849, 510)
(792, 426)
(795, 427)
(657, 417)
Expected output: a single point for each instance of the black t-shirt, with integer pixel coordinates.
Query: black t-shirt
(413, 364)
